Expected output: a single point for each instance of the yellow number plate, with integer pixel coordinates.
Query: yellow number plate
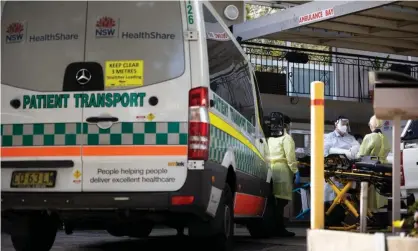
(33, 179)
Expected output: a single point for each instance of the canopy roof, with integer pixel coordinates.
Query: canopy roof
(379, 26)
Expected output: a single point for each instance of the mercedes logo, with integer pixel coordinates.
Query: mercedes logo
(83, 76)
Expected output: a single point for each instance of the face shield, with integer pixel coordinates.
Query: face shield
(288, 126)
(287, 123)
(343, 125)
(276, 124)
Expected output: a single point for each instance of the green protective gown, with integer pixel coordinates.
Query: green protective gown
(375, 144)
(283, 164)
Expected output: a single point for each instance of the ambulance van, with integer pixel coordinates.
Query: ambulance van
(123, 115)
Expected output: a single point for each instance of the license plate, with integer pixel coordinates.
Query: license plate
(33, 179)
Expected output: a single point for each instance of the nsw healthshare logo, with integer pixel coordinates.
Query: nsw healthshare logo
(105, 27)
(15, 33)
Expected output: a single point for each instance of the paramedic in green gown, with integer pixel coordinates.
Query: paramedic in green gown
(375, 144)
(284, 167)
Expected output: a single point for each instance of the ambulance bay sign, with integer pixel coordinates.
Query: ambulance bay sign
(316, 16)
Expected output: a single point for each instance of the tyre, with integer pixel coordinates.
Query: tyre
(139, 230)
(144, 230)
(266, 226)
(223, 240)
(217, 233)
(117, 232)
(35, 233)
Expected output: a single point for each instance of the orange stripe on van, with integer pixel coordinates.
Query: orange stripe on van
(40, 151)
(249, 205)
(134, 150)
(93, 151)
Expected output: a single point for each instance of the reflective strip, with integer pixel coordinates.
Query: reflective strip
(224, 126)
(317, 102)
(14, 152)
(249, 205)
(77, 134)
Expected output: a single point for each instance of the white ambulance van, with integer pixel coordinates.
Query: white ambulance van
(123, 115)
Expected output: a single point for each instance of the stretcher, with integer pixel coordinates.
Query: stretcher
(338, 167)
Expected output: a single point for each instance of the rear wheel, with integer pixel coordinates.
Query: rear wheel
(223, 240)
(143, 230)
(266, 226)
(217, 233)
(35, 233)
(138, 230)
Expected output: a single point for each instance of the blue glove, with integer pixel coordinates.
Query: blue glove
(297, 178)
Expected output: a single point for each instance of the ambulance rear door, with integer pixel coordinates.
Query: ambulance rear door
(136, 125)
(40, 125)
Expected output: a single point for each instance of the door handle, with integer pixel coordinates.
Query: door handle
(102, 119)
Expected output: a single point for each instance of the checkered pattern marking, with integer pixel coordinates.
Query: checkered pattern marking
(246, 160)
(67, 134)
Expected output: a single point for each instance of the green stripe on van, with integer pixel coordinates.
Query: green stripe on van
(126, 133)
(69, 134)
(245, 159)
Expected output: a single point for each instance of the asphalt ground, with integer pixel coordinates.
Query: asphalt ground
(164, 239)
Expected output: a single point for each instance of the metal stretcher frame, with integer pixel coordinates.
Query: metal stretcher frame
(340, 198)
(305, 197)
(342, 169)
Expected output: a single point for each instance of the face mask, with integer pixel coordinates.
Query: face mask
(342, 129)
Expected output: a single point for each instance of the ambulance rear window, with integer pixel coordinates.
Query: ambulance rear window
(135, 43)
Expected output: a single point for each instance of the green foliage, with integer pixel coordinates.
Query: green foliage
(311, 46)
(413, 208)
(248, 15)
(256, 11)
(378, 65)
(411, 211)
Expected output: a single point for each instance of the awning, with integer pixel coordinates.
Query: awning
(380, 26)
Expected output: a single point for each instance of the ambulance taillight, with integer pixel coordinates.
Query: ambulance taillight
(198, 124)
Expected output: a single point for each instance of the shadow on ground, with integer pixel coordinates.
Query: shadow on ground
(169, 242)
(100, 242)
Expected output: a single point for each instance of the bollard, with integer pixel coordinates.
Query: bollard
(363, 206)
(317, 155)
(396, 170)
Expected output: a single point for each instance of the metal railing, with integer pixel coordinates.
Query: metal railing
(345, 75)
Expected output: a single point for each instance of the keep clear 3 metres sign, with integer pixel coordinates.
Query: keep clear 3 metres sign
(124, 73)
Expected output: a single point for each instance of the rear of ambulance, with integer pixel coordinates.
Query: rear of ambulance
(95, 103)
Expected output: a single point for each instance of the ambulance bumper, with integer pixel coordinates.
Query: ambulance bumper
(193, 197)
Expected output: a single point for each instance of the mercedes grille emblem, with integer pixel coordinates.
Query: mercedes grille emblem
(83, 76)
